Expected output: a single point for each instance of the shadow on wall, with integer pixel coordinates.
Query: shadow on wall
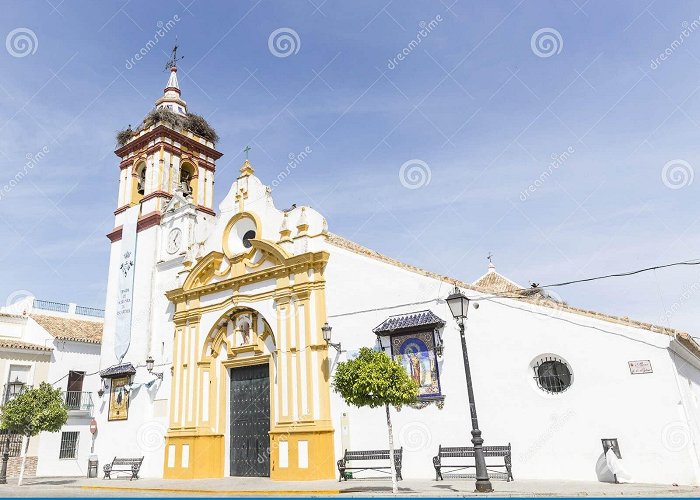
(602, 470)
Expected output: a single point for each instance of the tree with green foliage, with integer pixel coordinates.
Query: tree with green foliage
(34, 411)
(373, 379)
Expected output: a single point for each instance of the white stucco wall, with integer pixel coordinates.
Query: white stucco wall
(142, 434)
(70, 356)
(551, 435)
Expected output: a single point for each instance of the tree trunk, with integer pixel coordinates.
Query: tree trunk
(394, 485)
(24, 461)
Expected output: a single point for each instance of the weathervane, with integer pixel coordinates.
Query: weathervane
(172, 62)
(489, 257)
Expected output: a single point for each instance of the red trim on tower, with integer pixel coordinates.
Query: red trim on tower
(115, 234)
(174, 89)
(148, 220)
(145, 221)
(206, 210)
(121, 209)
(156, 194)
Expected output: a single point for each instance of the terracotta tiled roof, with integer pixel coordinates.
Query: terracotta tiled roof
(535, 296)
(77, 330)
(496, 283)
(9, 343)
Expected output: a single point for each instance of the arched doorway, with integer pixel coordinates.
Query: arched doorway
(243, 343)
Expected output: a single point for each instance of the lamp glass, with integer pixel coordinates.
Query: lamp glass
(326, 329)
(16, 387)
(458, 304)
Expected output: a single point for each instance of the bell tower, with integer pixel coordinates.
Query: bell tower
(164, 205)
(171, 149)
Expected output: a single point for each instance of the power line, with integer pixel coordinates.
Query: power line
(522, 292)
(694, 262)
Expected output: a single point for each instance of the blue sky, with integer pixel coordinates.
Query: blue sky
(474, 108)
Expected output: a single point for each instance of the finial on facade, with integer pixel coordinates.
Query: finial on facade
(285, 232)
(492, 267)
(246, 169)
(303, 222)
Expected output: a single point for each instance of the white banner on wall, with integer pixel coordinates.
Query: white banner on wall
(122, 337)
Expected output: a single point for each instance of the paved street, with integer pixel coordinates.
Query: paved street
(70, 487)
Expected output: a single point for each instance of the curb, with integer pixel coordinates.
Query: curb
(217, 492)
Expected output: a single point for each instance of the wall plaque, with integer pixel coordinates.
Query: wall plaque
(640, 367)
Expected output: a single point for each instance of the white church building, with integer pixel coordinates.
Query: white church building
(213, 360)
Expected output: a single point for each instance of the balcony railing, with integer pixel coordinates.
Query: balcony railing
(79, 401)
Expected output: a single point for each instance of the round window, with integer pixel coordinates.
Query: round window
(249, 235)
(552, 374)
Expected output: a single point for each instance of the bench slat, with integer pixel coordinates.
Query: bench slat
(364, 456)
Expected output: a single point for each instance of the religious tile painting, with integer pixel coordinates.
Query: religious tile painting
(119, 399)
(416, 353)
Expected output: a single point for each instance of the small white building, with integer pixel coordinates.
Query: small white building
(58, 343)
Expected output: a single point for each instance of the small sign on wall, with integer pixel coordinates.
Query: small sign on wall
(640, 367)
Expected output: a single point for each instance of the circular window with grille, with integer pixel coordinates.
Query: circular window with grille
(552, 374)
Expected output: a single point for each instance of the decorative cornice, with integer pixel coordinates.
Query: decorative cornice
(142, 141)
(145, 221)
(293, 264)
(121, 209)
(206, 210)
(156, 194)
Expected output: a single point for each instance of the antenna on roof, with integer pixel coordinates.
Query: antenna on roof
(172, 61)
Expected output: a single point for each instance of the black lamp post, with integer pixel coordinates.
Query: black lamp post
(5, 459)
(459, 304)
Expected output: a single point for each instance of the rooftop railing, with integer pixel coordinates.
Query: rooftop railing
(47, 305)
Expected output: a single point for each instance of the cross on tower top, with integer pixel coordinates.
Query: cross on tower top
(247, 148)
(172, 61)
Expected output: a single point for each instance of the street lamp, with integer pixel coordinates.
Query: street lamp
(149, 366)
(326, 329)
(459, 304)
(13, 389)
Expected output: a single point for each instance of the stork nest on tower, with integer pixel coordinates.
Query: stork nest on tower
(191, 122)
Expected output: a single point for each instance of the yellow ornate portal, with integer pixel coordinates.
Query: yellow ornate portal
(242, 307)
